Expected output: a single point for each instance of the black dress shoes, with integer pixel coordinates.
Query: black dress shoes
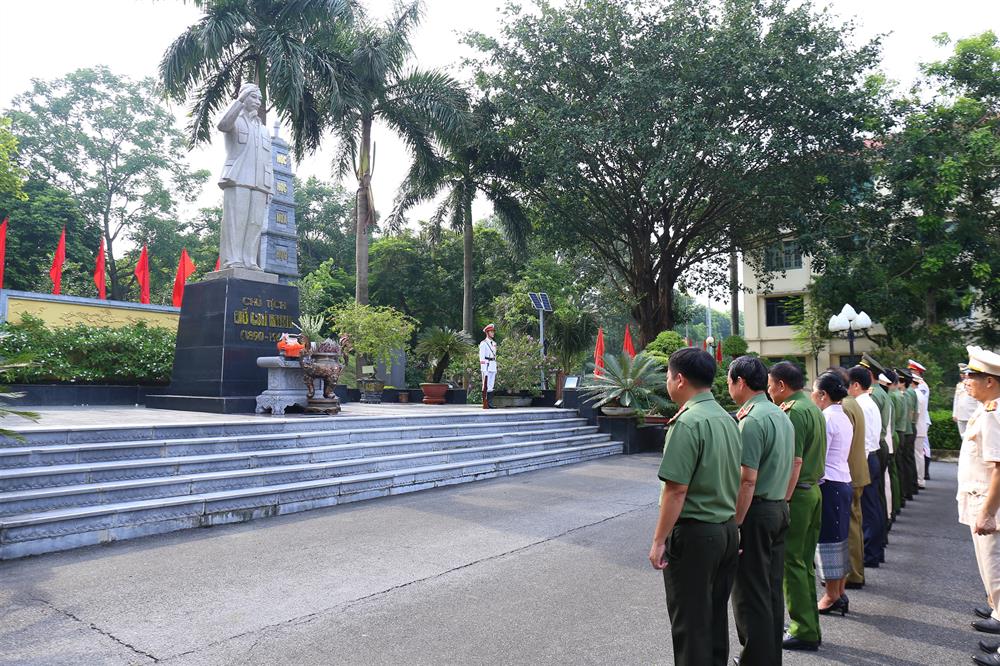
(989, 625)
(989, 648)
(987, 659)
(792, 643)
(854, 586)
(983, 611)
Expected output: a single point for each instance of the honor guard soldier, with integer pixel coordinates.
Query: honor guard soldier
(979, 481)
(785, 383)
(921, 447)
(761, 513)
(695, 542)
(488, 364)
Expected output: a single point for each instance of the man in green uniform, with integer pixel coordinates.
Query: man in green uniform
(695, 542)
(881, 399)
(761, 513)
(909, 434)
(898, 407)
(784, 383)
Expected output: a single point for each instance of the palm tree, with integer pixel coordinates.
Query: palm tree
(477, 163)
(289, 48)
(420, 106)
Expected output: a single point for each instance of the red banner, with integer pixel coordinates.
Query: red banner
(3, 248)
(57, 263)
(599, 353)
(627, 346)
(185, 267)
(99, 277)
(142, 275)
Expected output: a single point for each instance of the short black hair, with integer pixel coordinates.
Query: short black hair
(891, 376)
(841, 372)
(697, 366)
(831, 384)
(788, 372)
(861, 375)
(751, 369)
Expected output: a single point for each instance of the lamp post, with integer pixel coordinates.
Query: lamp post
(850, 321)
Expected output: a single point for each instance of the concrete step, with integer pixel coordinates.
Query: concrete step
(41, 436)
(111, 492)
(24, 478)
(27, 534)
(67, 454)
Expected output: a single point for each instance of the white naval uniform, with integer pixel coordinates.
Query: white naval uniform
(963, 407)
(488, 362)
(980, 450)
(921, 446)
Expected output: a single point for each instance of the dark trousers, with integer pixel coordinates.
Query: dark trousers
(883, 465)
(873, 514)
(701, 567)
(904, 479)
(909, 463)
(758, 602)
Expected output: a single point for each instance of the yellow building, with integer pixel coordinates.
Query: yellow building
(766, 313)
(58, 311)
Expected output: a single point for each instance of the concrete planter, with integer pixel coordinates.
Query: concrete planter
(634, 438)
(66, 395)
(434, 394)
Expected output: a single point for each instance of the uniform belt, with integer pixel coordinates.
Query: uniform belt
(803, 486)
(490, 358)
(760, 498)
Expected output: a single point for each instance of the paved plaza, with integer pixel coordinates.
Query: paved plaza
(544, 567)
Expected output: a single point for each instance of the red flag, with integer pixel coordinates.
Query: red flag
(599, 353)
(142, 275)
(689, 342)
(3, 248)
(627, 347)
(704, 345)
(718, 351)
(185, 267)
(218, 263)
(99, 272)
(57, 263)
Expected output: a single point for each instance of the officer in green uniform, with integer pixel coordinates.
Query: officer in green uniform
(909, 434)
(761, 513)
(695, 542)
(784, 383)
(898, 408)
(881, 399)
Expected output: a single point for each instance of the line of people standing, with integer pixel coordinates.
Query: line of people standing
(749, 501)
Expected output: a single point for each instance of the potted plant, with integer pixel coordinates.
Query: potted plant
(439, 346)
(626, 385)
(521, 365)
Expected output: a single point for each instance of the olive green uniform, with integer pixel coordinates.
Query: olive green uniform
(805, 512)
(702, 452)
(768, 447)
(881, 399)
(896, 458)
(909, 456)
(857, 461)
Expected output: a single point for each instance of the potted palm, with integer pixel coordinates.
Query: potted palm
(440, 346)
(627, 385)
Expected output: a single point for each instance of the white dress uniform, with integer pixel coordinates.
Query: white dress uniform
(488, 362)
(922, 446)
(963, 407)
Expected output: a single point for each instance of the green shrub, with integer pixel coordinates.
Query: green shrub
(943, 432)
(734, 346)
(136, 354)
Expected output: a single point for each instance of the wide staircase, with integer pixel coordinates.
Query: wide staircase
(64, 489)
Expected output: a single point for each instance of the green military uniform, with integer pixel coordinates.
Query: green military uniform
(896, 459)
(857, 461)
(805, 510)
(881, 399)
(768, 447)
(702, 451)
(909, 460)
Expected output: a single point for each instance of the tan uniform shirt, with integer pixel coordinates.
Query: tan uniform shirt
(980, 452)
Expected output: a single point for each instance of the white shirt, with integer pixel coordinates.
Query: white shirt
(980, 452)
(488, 355)
(888, 425)
(923, 418)
(873, 421)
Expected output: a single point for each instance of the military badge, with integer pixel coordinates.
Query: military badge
(785, 406)
(740, 415)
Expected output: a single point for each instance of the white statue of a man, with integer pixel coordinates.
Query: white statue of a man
(247, 181)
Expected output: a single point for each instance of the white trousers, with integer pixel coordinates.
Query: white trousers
(962, 425)
(918, 458)
(244, 213)
(489, 378)
(988, 558)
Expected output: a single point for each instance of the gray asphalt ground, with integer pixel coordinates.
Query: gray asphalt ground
(544, 567)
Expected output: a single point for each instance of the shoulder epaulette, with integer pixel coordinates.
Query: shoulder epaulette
(786, 405)
(740, 415)
(991, 406)
(677, 415)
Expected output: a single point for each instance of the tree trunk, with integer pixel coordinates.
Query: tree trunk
(467, 265)
(930, 308)
(260, 78)
(654, 311)
(734, 294)
(364, 213)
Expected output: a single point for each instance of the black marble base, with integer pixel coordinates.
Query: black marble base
(225, 325)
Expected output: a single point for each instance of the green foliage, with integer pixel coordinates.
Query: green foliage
(735, 346)
(520, 364)
(6, 367)
(627, 382)
(570, 331)
(324, 287)
(809, 327)
(665, 344)
(12, 176)
(943, 431)
(439, 346)
(311, 326)
(324, 220)
(375, 332)
(111, 144)
(136, 354)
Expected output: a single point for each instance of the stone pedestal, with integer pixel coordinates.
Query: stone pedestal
(225, 325)
(285, 386)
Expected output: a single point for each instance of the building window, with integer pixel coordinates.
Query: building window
(847, 361)
(784, 256)
(780, 310)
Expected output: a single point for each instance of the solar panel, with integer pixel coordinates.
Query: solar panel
(540, 301)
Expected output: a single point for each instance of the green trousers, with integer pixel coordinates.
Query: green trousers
(897, 497)
(701, 567)
(805, 511)
(757, 602)
(856, 540)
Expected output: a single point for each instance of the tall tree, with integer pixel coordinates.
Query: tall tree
(420, 106)
(289, 48)
(12, 176)
(657, 137)
(110, 143)
(324, 218)
(476, 163)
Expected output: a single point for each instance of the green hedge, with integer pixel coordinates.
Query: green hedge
(136, 354)
(943, 432)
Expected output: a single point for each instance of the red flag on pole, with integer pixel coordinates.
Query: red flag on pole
(627, 347)
(704, 345)
(218, 263)
(599, 353)
(689, 342)
(99, 272)
(185, 267)
(57, 263)
(3, 248)
(142, 275)
(718, 351)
